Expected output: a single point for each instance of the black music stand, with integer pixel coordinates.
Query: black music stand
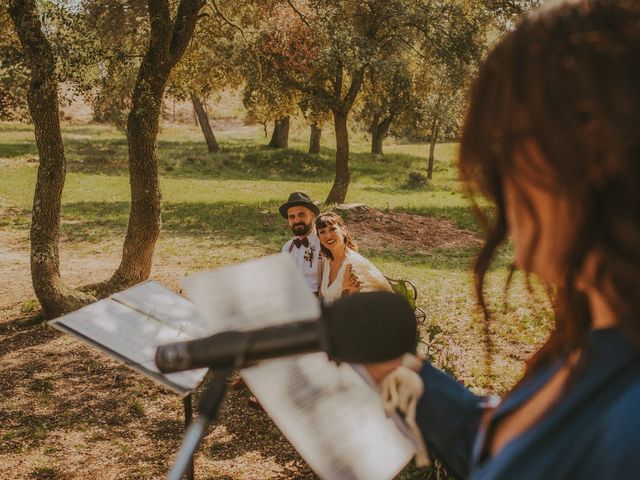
(208, 408)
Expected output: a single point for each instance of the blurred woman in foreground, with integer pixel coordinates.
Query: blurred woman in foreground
(552, 138)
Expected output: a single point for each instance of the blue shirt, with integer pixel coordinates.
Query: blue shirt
(592, 432)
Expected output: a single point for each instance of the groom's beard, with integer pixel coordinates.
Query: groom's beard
(300, 229)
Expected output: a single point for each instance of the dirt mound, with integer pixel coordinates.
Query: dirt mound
(375, 230)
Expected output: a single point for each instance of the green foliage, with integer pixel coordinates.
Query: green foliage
(209, 64)
(14, 75)
(109, 39)
(111, 101)
(45, 473)
(417, 180)
(505, 12)
(29, 306)
(136, 408)
(405, 289)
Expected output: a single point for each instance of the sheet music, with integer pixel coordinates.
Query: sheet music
(129, 327)
(329, 413)
(332, 416)
(258, 293)
(163, 304)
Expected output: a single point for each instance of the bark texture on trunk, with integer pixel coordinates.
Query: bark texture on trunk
(55, 298)
(280, 135)
(167, 42)
(314, 139)
(432, 147)
(203, 119)
(379, 129)
(340, 186)
(340, 107)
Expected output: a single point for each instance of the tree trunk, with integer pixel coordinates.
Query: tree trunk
(55, 298)
(432, 147)
(379, 130)
(280, 135)
(340, 186)
(376, 141)
(203, 119)
(314, 139)
(144, 214)
(167, 42)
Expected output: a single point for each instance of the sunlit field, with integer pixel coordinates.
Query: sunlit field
(220, 209)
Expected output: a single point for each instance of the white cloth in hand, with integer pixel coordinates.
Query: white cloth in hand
(401, 390)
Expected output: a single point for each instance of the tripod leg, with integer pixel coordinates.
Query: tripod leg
(188, 417)
(208, 408)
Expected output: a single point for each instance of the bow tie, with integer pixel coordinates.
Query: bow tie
(297, 242)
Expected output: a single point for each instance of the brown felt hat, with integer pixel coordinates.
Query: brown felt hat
(298, 199)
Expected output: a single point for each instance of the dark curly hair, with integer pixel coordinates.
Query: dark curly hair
(569, 79)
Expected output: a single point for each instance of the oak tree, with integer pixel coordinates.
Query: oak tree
(169, 37)
(42, 98)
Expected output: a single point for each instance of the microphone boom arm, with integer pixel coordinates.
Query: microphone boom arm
(239, 349)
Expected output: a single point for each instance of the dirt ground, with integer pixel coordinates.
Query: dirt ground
(376, 230)
(69, 412)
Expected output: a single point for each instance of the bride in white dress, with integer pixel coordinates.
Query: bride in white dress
(343, 271)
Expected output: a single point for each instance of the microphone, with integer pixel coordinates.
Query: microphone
(363, 328)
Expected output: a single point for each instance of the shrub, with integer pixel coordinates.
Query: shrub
(416, 181)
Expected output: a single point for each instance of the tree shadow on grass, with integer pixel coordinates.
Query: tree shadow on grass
(230, 221)
(383, 169)
(57, 390)
(246, 162)
(14, 341)
(252, 430)
(80, 386)
(105, 157)
(239, 160)
(185, 159)
(11, 150)
(53, 389)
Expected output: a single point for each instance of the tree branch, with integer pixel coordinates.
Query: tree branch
(214, 5)
(159, 17)
(314, 91)
(35, 44)
(299, 13)
(354, 88)
(413, 49)
(184, 25)
(337, 85)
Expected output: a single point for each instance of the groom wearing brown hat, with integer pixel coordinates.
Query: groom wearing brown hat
(304, 247)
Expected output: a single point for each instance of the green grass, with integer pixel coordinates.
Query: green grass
(222, 208)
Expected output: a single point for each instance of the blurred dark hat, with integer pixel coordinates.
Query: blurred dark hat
(298, 199)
